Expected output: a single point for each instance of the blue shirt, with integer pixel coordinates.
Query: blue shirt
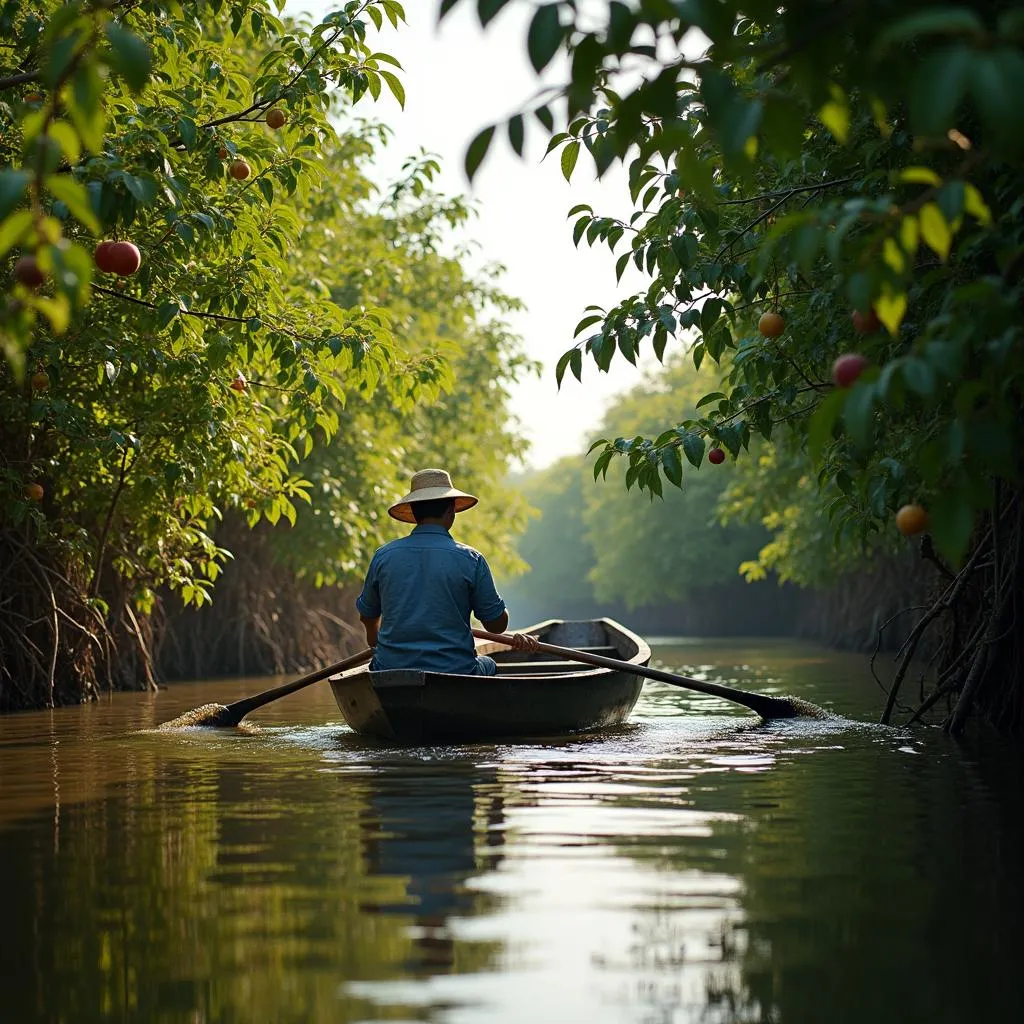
(425, 586)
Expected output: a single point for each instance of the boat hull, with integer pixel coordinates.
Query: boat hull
(530, 696)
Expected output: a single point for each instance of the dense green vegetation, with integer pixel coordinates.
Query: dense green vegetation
(667, 564)
(285, 347)
(828, 203)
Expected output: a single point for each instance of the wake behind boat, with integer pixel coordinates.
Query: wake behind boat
(531, 695)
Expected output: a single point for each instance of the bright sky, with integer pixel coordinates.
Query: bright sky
(459, 78)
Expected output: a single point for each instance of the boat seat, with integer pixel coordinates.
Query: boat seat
(508, 655)
(541, 668)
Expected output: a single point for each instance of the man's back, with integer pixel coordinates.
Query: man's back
(426, 585)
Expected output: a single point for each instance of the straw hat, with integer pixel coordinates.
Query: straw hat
(428, 485)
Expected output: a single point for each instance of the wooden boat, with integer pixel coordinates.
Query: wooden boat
(532, 695)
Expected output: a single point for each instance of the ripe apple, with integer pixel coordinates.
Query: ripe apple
(276, 117)
(771, 324)
(34, 492)
(239, 169)
(40, 381)
(28, 272)
(716, 455)
(865, 323)
(101, 256)
(911, 519)
(124, 258)
(847, 368)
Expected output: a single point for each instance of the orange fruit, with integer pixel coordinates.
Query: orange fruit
(771, 324)
(275, 117)
(239, 169)
(34, 492)
(911, 519)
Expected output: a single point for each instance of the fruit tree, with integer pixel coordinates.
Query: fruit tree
(808, 161)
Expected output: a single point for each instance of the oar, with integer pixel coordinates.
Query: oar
(232, 714)
(765, 706)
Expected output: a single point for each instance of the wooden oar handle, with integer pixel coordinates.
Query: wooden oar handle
(764, 705)
(247, 704)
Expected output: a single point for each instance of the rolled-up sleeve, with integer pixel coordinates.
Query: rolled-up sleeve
(368, 602)
(487, 603)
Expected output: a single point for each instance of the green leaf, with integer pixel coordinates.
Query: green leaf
(488, 9)
(673, 464)
(919, 377)
(515, 134)
(919, 176)
(13, 186)
(544, 36)
(823, 421)
(976, 206)
(73, 194)
(997, 83)
(693, 447)
(954, 21)
(951, 521)
(67, 138)
(13, 229)
(129, 56)
(85, 107)
(937, 88)
(569, 156)
(890, 306)
(562, 366)
(478, 150)
(858, 414)
(715, 396)
(166, 313)
(935, 230)
(835, 115)
(395, 85)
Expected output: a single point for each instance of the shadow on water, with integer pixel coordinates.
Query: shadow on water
(694, 865)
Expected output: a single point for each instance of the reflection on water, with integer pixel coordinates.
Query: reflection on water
(690, 866)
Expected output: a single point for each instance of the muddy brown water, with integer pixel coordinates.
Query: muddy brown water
(692, 866)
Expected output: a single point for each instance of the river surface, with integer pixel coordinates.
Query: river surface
(692, 866)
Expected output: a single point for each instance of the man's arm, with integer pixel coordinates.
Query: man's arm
(372, 628)
(498, 625)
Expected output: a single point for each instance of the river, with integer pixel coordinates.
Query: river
(692, 866)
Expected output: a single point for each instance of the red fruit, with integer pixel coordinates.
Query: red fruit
(124, 258)
(40, 380)
(28, 272)
(771, 324)
(716, 455)
(101, 257)
(275, 117)
(239, 169)
(865, 323)
(847, 368)
(238, 384)
(34, 492)
(222, 153)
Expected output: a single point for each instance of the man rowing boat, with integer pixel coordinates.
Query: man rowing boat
(420, 590)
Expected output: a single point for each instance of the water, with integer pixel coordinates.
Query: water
(690, 867)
